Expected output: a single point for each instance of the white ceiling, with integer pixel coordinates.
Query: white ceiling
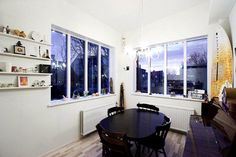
(124, 15)
(220, 9)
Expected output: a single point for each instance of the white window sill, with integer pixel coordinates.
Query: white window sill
(69, 101)
(177, 97)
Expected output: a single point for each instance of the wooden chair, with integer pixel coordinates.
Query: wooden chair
(114, 144)
(148, 107)
(156, 142)
(114, 110)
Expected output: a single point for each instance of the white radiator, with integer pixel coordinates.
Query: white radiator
(180, 116)
(89, 118)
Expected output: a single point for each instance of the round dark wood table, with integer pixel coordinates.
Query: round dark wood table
(136, 123)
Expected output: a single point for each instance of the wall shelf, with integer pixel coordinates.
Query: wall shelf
(24, 56)
(21, 73)
(25, 39)
(20, 88)
(10, 38)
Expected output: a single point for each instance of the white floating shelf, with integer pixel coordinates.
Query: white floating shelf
(25, 39)
(24, 56)
(19, 88)
(21, 73)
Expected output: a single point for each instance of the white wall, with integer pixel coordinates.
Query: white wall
(189, 23)
(28, 126)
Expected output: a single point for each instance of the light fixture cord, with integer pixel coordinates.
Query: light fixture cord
(141, 21)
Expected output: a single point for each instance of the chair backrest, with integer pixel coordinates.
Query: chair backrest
(114, 110)
(116, 143)
(161, 131)
(144, 106)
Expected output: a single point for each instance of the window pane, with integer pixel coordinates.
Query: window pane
(197, 64)
(59, 63)
(175, 68)
(104, 70)
(92, 68)
(157, 70)
(77, 66)
(142, 72)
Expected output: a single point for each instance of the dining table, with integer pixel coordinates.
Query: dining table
(136, 123)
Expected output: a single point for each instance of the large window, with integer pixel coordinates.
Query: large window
(105, 70)
(59, 65)
(157, 70)
(92, 68)
(142, 72)
(72, 72)
(172, 68)
(77, 66)
(197, 64)
(175, 68)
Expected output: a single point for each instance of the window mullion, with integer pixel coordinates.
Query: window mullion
(149, 69)
(165, 69)
(99, 69)
(86, 67)
(68, 67)
(135, 72)
(185, 67)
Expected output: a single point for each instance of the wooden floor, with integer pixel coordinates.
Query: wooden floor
(90, 146)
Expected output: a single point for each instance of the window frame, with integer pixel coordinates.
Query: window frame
(66, 77)
(70, 60)
(165, 65)
(70, 34)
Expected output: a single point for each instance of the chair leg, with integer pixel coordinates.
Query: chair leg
(163, 149)
(138, 149)
(143, 149)
(151, 153)
(103, 151)
(156, 153)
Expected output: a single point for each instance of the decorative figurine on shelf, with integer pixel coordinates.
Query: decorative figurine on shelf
(75, 94)
(35, 83)
(18, 43)
(36, 69)
(172, 94)
(4, 30)
(40, 51)
(8, 30)
(36, 36)
(20, 33)
(64, 98)
(86, 93)
(46, 54)
(42, 83)
(6, 50)
(14, 69)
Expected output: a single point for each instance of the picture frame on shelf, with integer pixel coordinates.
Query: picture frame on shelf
(23, 81)
(33, 51)
(19, 50)
(44, 68)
